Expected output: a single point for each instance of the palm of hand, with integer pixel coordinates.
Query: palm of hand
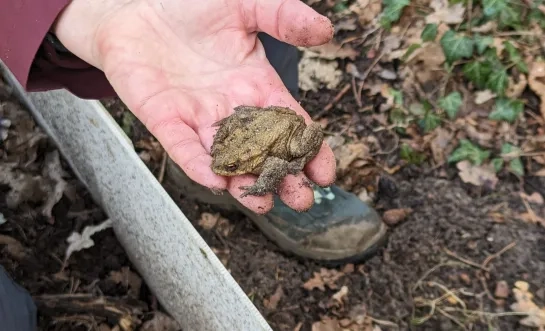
(181, 66)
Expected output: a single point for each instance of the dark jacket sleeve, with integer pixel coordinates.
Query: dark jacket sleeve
(33, 59)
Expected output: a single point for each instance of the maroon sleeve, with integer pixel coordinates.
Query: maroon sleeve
(36, 64)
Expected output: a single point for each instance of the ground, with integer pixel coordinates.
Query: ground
(467, 236)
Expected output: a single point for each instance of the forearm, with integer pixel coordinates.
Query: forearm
(34, 61)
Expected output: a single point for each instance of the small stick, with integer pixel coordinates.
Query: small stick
(335, 100)
(466, 261)
(496, 255)
(161, 175)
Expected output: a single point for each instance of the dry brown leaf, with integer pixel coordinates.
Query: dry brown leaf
(367, 10)
(502, 289)
(346, 24)
(327, 324)
(485, 28)
(439, 144)
(128, 280)
(53, 171)
(394, 216)
(540, 173)
(313, 72)
(273, 301)
(482, 175)
(484, 96)
(525, 304)
(515, 89)
(535, 81)
(332, 51)
(13, 247)
(343, 292)
(326, 277)
(346, 154)
(499, 44)
(533, 198)
(446, 14)
(208, 221)
(160, 322)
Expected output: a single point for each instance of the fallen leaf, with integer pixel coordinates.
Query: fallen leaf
(515, 89)
(525, 304)
(537, 73)
(395, 216)
(160, 322)
(367, 10)
(78, 242)
(439, 144)
(53, 171)
(343, 292)
(208, 221)
(484, 96)
(347, 153)
(446, 14)
(327, 324)
(346, 24)
(478, 175)
(502, 289)
(331, 51)
(13, 247)
(314, 72)
(273, 301)
(533, 198)
(128, 280)
(326, 277)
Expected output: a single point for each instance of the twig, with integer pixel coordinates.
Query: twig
(335, 100)
(466, 261)
(355, 92)
(161, 175)
(496, 255)
(368, 71)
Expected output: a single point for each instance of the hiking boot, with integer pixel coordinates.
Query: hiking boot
(339, 228)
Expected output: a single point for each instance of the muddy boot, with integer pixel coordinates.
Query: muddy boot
(339, 228)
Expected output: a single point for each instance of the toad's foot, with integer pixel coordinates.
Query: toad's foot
(274, 170)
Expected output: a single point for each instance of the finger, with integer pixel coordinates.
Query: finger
(161, 117)
(258, 204)
(296, 192)
(290, 21)
(322, 168)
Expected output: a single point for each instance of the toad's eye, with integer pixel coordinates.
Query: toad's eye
(231, 166)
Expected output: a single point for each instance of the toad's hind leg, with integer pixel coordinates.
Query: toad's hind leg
(274, 170)
(309, 142)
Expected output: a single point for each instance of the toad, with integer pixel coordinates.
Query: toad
(270, 142)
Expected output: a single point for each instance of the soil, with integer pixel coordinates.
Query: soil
(456, 238)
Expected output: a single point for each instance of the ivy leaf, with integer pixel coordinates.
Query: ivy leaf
(482, 43)
(429, 122)
(468, 151)
(392, 11)
(451, 104)
(506, 110)
(410, 50)
(456, 47)
(491, 8)
(498, 81)
(515, 57)
(497, 163)
(398, 97)
(515, 165)
(477, 72)
(408, 154)
(429, 33)
(510, 18)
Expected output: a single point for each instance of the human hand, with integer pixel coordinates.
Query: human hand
(181, 65)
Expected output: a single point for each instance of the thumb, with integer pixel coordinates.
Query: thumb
(290, 21)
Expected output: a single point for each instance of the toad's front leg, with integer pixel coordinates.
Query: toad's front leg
(274, 170)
